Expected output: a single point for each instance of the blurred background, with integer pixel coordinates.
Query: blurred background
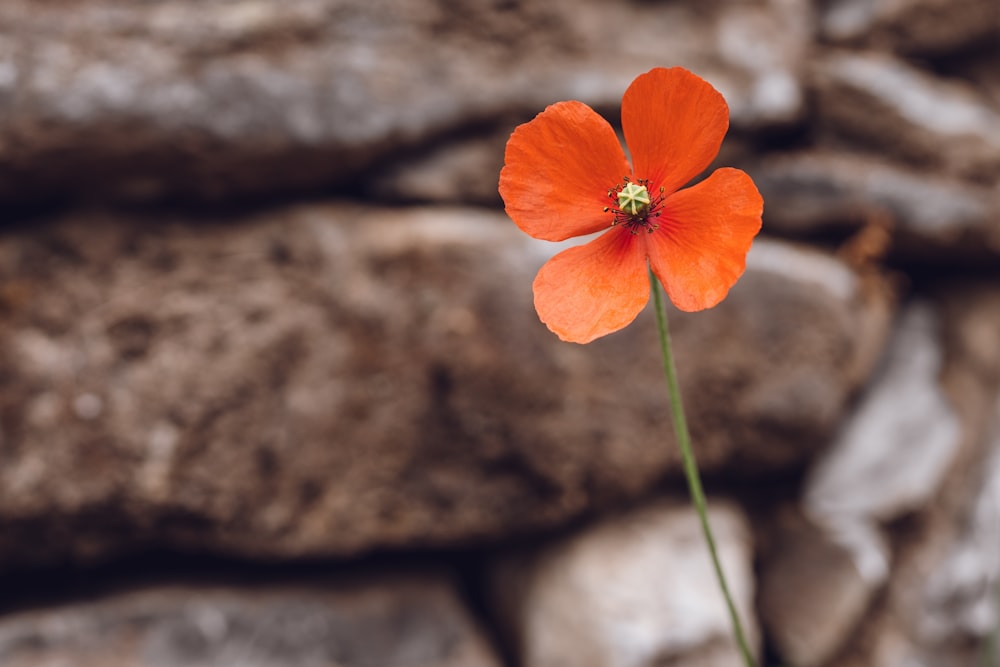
(273, 391)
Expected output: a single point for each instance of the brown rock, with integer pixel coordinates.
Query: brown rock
(930, 216)
(900, 110)
(393, 622)
(903, 504)
(637, 590)
(812, 596)
(983, 69)
(331, 379)
(916, 27)
(941, 598)
(458, 172)
(887, 460)
(903, 414)
(101, 98)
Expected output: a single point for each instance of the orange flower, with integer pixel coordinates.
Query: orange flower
(565, 174)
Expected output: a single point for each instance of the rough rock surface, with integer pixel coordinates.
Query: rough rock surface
(828, 565)
(414, 621)
(211, 100)
(895, 108)
(330, 379)
(922, 461)
(940, 604)
(908, 414)
(216, 338)
(930, 216)
(812, 596)
(634, 591)
(925, 27)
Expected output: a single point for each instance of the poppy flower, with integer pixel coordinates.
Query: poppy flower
(565, 174)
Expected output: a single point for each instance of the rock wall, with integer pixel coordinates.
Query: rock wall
(273, 392)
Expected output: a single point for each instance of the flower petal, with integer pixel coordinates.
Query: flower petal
(557, 171)
(595, 289)
(700, 248)
(674, 122)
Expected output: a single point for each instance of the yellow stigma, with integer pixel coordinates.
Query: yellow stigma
(633, 199)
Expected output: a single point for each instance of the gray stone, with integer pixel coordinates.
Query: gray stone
(927, 27)
(637, 590)
(889, 459)
(330, 379)
(983, 69)
(905, 416)
(929, 215)
(900, 110)
(255, 97)
(396, 621)
(929, 551)
(942, 596)
(458, 172)
(812, 596)
(958, 596)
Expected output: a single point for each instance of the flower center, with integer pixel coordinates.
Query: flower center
(633, 206)
(633, 199)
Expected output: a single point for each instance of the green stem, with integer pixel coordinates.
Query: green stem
(691, 466)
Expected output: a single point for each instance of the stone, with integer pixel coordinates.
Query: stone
(940, 605)
(255, 98)
(463, 172)
(905, 537)
(774, 95)
(206, 353)
(637, 590)
(930, 216)
(982, 69)
(414, 621)
(889, 459)
(811, 595)
(905, 416)
(957, 593)
(915, 27)
(329, 379)
(889, 106)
